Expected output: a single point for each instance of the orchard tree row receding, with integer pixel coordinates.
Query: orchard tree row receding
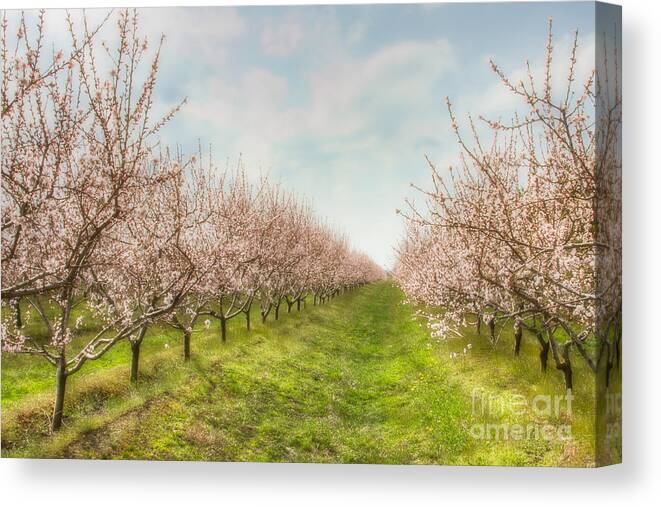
(527, 230)
(96, 213)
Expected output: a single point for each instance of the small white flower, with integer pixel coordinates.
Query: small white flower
(207, 324)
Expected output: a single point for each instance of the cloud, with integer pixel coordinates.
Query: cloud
(339, 111)
(316, 30)
(350, 98)
(494, 100)
(350, 94)
(343, 132)
(282, 37)
(196, 33)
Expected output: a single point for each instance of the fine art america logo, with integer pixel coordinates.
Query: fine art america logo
(492, 409)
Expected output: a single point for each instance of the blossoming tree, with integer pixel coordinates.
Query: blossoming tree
(75, 150)
(528, 229)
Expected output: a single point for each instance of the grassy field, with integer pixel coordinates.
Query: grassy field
(357, 380)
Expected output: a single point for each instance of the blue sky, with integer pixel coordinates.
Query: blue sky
(341, 103)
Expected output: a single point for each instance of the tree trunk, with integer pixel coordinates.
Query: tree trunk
(492, 329)
(135, 353)
(544, 348)
(617, 350)
(247, 319)
(518, 334)
(223, 329)
(567, 372)
(135, 360)
(565, 366)
(187, 345)
(17, 309)
(478, 323)
(265, 312)
(544, 355)
(609, 367)
(298, 305)
(277, 311)
(61, 379)
(610, 353)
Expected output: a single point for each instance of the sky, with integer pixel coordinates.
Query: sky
(342, 103)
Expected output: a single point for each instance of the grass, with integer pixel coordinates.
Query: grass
(357, 380)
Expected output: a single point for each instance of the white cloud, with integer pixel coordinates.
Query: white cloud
(195, 33)
(350, 93)
(362, 117)
(341, 114)
(347, 96)
(297, 30)
(495, 100)
(282, 37)
(192, 32)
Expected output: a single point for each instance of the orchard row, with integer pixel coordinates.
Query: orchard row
(101, 222)
(526, 232)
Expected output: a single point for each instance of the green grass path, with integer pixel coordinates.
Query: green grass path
(357, 380)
